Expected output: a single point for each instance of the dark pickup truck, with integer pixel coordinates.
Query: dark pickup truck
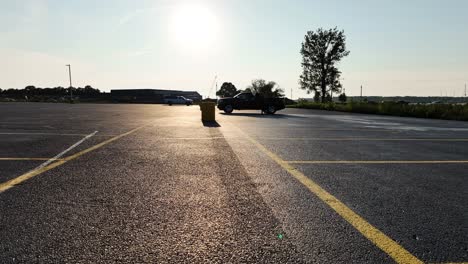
(248, 101)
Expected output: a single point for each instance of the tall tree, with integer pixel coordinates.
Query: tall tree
(321, 51)
(227, 90)
(30, 90)
(343, 98)
(266, 89)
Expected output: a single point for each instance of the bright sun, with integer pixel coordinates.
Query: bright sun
(194, 26)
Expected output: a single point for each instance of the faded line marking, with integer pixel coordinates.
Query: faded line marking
(41, 134)
(103, 143)
(51, 134)
(21, 159)
(382, 241)
(9, 184)
(41, 168)
(375, 161)
(58, 156)
(369, 139)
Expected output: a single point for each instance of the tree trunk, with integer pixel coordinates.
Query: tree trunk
(323, 82)
(323, 87)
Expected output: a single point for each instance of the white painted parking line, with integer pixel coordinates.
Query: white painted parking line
(41, 134)
(58, 156)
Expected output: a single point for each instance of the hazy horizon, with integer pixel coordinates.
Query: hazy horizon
(397, 48)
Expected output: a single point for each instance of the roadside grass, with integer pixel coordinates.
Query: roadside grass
(436, 111)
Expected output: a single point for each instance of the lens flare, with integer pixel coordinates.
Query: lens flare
(194, 26)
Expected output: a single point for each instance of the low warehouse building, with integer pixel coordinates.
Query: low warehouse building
(155, 96)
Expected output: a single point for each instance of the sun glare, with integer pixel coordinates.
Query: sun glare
(194, 26)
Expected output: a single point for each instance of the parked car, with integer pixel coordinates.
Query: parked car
(251, 102)
(170, 100)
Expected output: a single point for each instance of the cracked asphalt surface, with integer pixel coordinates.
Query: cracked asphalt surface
(177, 191)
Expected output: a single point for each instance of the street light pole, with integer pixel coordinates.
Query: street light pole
(70, 77)
(361, 93)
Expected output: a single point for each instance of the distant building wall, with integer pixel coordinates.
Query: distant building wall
(149, 95)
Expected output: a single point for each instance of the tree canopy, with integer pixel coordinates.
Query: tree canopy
(321, 51)
(343, 98)
(266, 89)
(227, 90)
(59, 91)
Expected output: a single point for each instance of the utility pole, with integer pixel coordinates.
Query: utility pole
(291, 92)
(465, 89)
(69, 75)
(361, 92)
(214, 83)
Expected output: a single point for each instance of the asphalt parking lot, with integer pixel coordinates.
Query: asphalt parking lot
(151, 183)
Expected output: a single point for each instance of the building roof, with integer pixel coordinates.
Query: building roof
(154, 90)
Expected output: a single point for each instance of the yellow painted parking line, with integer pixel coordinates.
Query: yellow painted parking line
(375, 161)
(190, 138)
(382, 241)
(332, 129)
(367, 139)
(9, 184)
(354, 129)
(21, 159)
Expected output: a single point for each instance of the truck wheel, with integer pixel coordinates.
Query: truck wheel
(270, 109)
(169, 103)
(228, 109)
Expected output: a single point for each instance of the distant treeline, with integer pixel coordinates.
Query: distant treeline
(32, 91)
(412, 99)
(54, 95)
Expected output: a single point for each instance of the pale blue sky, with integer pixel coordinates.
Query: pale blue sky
(397, 47)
